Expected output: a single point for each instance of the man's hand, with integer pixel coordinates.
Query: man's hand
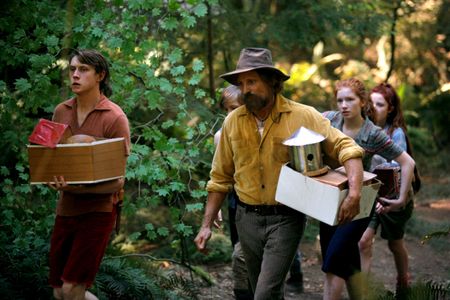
(348, 210)
(202, 238)
(213, 205)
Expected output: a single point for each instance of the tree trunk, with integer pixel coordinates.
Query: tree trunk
(392, 42)
(212, 90)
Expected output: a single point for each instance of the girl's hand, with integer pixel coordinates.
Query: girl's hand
(385, 205)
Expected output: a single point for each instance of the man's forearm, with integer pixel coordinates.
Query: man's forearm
(213, 205)
(354, 170)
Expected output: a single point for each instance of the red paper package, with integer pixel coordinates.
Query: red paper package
(47, 133)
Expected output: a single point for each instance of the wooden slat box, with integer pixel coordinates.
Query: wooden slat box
(79, 163)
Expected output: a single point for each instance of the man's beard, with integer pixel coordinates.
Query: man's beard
(255, 103)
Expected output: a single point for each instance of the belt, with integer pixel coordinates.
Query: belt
(268, 210)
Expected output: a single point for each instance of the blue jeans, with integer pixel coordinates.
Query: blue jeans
(269, 243)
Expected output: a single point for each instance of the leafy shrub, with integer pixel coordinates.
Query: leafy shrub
(24, 246)
(435, 116)
(155, 82)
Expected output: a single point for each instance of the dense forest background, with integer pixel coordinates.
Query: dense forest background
(165, 58)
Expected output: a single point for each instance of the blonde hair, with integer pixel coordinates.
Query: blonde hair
(357, 86)
(230, 93)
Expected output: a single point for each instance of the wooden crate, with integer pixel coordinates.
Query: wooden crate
(79, 163)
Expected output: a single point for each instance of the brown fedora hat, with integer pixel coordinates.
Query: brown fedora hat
(253, 59)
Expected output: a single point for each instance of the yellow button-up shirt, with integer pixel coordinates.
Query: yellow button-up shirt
(251, 163)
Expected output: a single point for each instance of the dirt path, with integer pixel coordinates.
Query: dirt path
(426, 263)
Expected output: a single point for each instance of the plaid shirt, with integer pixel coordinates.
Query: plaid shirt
(370, 137)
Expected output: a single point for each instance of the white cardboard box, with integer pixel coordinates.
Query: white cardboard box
(319, 200)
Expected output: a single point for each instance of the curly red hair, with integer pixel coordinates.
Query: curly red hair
(358, 87)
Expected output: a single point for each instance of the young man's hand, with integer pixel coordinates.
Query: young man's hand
(60, 184)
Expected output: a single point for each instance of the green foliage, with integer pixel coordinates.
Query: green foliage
(154, 81)
(159, 60)
(435, 117)
(419, 291)
(177, 285)
(24, 240)
(199, 271)
(311, 231)
(120, 279)
(297, 19)
(434, 234)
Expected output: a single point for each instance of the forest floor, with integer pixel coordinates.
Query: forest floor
(428, 260)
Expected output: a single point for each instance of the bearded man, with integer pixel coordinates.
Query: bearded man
(249, 158)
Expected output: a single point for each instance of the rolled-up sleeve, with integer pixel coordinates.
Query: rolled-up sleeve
(222, 170)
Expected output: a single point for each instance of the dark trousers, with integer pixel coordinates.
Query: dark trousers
(340, 250)
(233, 200)
(269, 243)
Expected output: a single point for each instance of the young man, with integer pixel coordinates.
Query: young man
(85, 214)
(250, 156)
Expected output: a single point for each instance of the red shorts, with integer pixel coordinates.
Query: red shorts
(77, 247)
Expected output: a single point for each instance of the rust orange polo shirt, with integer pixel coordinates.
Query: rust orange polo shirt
(106, 120)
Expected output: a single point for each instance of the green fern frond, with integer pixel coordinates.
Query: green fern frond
(177, 282)
(117, 280)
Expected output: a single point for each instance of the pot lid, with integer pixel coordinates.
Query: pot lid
(302, 137)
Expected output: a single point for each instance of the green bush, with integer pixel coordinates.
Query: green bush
(156, 50)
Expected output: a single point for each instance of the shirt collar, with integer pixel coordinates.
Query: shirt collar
(101, 105)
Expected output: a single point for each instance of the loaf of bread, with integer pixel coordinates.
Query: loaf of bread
(79, 138)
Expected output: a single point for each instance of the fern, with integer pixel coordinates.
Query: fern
(177, 282)
(118, 278)
(24, 264)
(421, 291)
(430, 290)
